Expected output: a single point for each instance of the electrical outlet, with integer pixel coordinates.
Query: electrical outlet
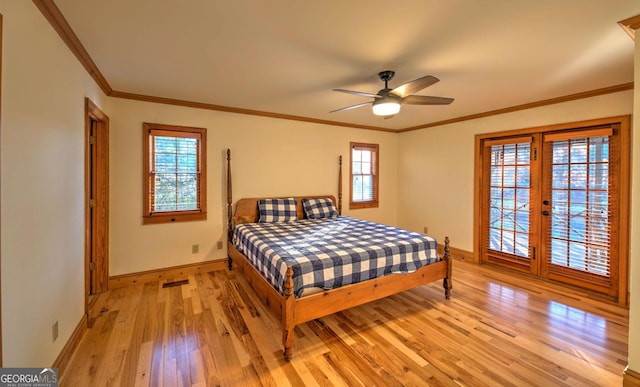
(219, 245)
(426, 229)
(54, 330)
(195, 249)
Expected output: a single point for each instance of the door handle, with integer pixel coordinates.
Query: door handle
(545, 202)
(545, 213)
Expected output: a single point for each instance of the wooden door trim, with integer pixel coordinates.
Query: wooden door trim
(93, 113)
(1, 28)
(624, 199)
(624, 205)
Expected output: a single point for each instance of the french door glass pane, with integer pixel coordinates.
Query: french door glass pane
(509, 195)
(580, 231)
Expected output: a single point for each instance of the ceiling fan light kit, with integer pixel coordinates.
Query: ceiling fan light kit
(385, 107)
(387, 101)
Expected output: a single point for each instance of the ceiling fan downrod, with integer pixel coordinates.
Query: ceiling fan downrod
(386, 76)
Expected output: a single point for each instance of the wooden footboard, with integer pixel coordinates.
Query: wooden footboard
(349, 296)
(294, 311)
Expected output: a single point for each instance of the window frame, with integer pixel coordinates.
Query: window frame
(153, 217)
(375, 168)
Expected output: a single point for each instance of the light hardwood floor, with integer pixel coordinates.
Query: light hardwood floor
(499, 328)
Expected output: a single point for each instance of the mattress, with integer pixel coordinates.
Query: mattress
(332, 252)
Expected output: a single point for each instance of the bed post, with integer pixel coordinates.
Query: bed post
(446, 282)
(287, 315)
(229, 209)
(340, 187)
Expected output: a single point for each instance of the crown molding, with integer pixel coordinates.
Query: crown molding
(630, 25)
(229, 109)
(52, 13)
(530, 105)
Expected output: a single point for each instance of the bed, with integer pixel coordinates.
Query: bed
(304, 268)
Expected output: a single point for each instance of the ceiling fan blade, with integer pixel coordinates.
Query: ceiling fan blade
(358, 93)
(351, 107)
(414, 86)
(426, 100)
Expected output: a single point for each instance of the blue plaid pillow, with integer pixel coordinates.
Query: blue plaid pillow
(277, 210)
(319, 208)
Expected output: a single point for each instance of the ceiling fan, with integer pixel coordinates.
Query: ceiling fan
(387, 101)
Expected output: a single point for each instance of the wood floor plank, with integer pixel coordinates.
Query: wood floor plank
(262, 344)
(211, 374)
(344, 358)
(157, 357)
(499, 329)
(319, 377)
(143, 366)
(196, 367)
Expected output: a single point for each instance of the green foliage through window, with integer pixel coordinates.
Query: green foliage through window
(176, 174)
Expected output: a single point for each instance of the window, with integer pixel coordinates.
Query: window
(364, 176)
(174, 173)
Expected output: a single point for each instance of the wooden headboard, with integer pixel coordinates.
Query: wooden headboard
(247, 209)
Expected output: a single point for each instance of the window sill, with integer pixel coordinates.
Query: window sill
(358, 205)
(173, 217)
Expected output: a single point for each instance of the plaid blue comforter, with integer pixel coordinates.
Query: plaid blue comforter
(329, 253)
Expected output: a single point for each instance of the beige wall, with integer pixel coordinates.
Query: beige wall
(44, 87)
(270, 157)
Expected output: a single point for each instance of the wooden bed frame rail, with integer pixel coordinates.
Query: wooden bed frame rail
(294, 311)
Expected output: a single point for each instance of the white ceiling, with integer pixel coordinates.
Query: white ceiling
(285, 56)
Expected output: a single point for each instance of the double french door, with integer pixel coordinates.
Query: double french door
(551, 205)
